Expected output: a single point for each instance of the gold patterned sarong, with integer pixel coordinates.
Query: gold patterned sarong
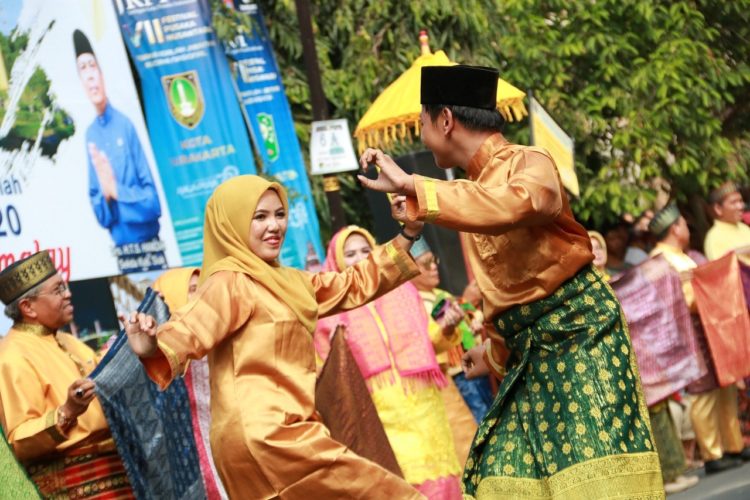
(570, 419)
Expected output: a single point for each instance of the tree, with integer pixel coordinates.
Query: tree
(655, 93)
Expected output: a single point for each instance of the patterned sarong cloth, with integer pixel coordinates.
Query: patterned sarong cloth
(90, 476)
(344, 403)
(570, 420)
(661, 329)
(724, 314)
(14, 482)
(152, 429)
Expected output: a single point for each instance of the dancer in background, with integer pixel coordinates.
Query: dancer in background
(390, 341)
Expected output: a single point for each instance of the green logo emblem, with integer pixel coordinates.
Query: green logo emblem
(185, 98)
(268, 132)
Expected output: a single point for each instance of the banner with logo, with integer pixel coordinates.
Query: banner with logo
(195, 122)
(77, 172)
(272, 127)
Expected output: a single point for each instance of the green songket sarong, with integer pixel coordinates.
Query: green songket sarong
(14, 481)
(570, 420)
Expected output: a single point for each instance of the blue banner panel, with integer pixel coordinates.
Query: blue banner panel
(272, 128)
(194, 120)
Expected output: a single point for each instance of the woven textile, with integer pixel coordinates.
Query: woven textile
(724, 315)
(570, 419)
(95, 476)
(660, 327)
(13, 478)
(152, 429)
(343, 401)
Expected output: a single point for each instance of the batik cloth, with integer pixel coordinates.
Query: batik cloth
(151, 428)
(660, 327)
(570, 419)
(91, 476)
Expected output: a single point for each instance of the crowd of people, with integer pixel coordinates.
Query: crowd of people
(704, 411)
(566, 415)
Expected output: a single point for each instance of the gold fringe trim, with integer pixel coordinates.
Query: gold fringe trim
(385, 133)
(632, 476)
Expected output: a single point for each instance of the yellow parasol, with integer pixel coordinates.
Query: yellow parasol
(397, 108)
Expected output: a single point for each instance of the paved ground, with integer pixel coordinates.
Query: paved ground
(733, 484)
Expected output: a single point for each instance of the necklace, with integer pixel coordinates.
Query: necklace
(79, 364)
(43, 331)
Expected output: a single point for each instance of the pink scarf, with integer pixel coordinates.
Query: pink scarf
(403, 317)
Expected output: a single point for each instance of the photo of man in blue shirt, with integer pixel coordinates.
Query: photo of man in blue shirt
(121, 186)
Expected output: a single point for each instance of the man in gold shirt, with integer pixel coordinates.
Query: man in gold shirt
(569, 419)
(48, 409)
(728, 232)
(714, 411)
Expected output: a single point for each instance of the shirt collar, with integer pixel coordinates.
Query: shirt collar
(726, 225)
(106, 116)
(486, 152)
(33, 328)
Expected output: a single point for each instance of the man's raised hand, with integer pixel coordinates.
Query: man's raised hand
(391, 178)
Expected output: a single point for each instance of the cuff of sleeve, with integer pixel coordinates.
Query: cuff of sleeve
(425, 207)
(52, 429)
(164, 366)
(489, 358)
(402, 259)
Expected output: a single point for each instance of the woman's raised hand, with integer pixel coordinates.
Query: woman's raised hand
(141, 331)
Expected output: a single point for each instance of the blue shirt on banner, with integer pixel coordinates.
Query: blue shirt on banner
(134, 216)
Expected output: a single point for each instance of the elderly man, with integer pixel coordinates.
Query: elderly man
(728, 232)
(48, 409)
(714, 408)
(569, 419)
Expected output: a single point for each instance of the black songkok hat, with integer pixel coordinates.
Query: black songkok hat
(663, 219)
(471, 86)
(23, 275)
(81, 43)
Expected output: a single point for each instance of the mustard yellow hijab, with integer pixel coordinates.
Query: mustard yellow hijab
(229, 212)
(174, 285)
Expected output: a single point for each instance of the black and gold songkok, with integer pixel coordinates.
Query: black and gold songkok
(663, 219)
(459, 85)
(22, 276)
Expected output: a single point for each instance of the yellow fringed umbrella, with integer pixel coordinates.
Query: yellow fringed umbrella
(397, 108)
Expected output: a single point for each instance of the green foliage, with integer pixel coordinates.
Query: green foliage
(653, 92)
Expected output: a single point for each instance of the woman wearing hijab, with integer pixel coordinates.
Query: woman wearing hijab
(254, 319)
(178, 286)
(391, 344)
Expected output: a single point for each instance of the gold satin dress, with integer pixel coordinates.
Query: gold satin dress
(266, 436)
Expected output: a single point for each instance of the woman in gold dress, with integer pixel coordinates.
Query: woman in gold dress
(254, 319)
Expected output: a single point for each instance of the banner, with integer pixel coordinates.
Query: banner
(272, 128)
(196, 124)
(77, 172)
(547, 134)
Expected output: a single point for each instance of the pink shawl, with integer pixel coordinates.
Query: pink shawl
(401, 314)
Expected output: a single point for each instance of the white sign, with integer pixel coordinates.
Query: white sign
(331, 148)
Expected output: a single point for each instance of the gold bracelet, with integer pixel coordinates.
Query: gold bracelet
(63, 421)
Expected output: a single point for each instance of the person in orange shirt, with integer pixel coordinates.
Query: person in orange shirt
(48, 408)
(255, 320)
(570, 419)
